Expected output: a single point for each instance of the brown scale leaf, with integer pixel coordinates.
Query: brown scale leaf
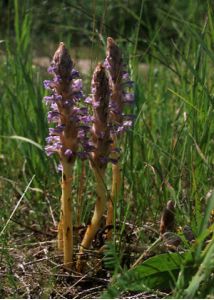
(167, 222)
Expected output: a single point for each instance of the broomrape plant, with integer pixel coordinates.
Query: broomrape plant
(79, 135)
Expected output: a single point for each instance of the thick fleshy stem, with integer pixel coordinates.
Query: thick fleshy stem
(115, 190)
(67, 218)
(100, 155)
(80, 196)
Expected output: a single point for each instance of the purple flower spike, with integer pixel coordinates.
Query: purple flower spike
(71, 120)
(120, 83)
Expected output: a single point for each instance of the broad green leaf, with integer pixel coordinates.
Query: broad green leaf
(158, 272)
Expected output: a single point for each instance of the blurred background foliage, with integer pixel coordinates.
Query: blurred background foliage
(81, 20)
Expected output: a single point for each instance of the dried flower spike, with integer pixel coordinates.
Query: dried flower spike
(66, 91)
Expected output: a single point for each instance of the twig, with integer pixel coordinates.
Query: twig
(146, 252)
(51, 212)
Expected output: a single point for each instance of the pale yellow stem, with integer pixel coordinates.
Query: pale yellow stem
(115, 191)
(80, 195)
(60, 229)
(98, 213)
(67, 223)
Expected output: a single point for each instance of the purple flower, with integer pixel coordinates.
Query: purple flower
(52, 69)
(107, 64)
(54, 106)
(68, 103)
(88, 146)
(57, 130)
(86, 119)
(88, 100)
(74, 73)
(48, 99)
(83, 155)
(81, 134)
(77, 85)
(50, 149)
(93, 90)
(59, 167)
(78, 95)
(52, 139)
(47, 84)
(127, 124)
(128, 98)
(126, 76)
(53, 116)
(114, 108)
(57, 79)
(52, 99)
(81, 111)
(96, 104)
(68, 153)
